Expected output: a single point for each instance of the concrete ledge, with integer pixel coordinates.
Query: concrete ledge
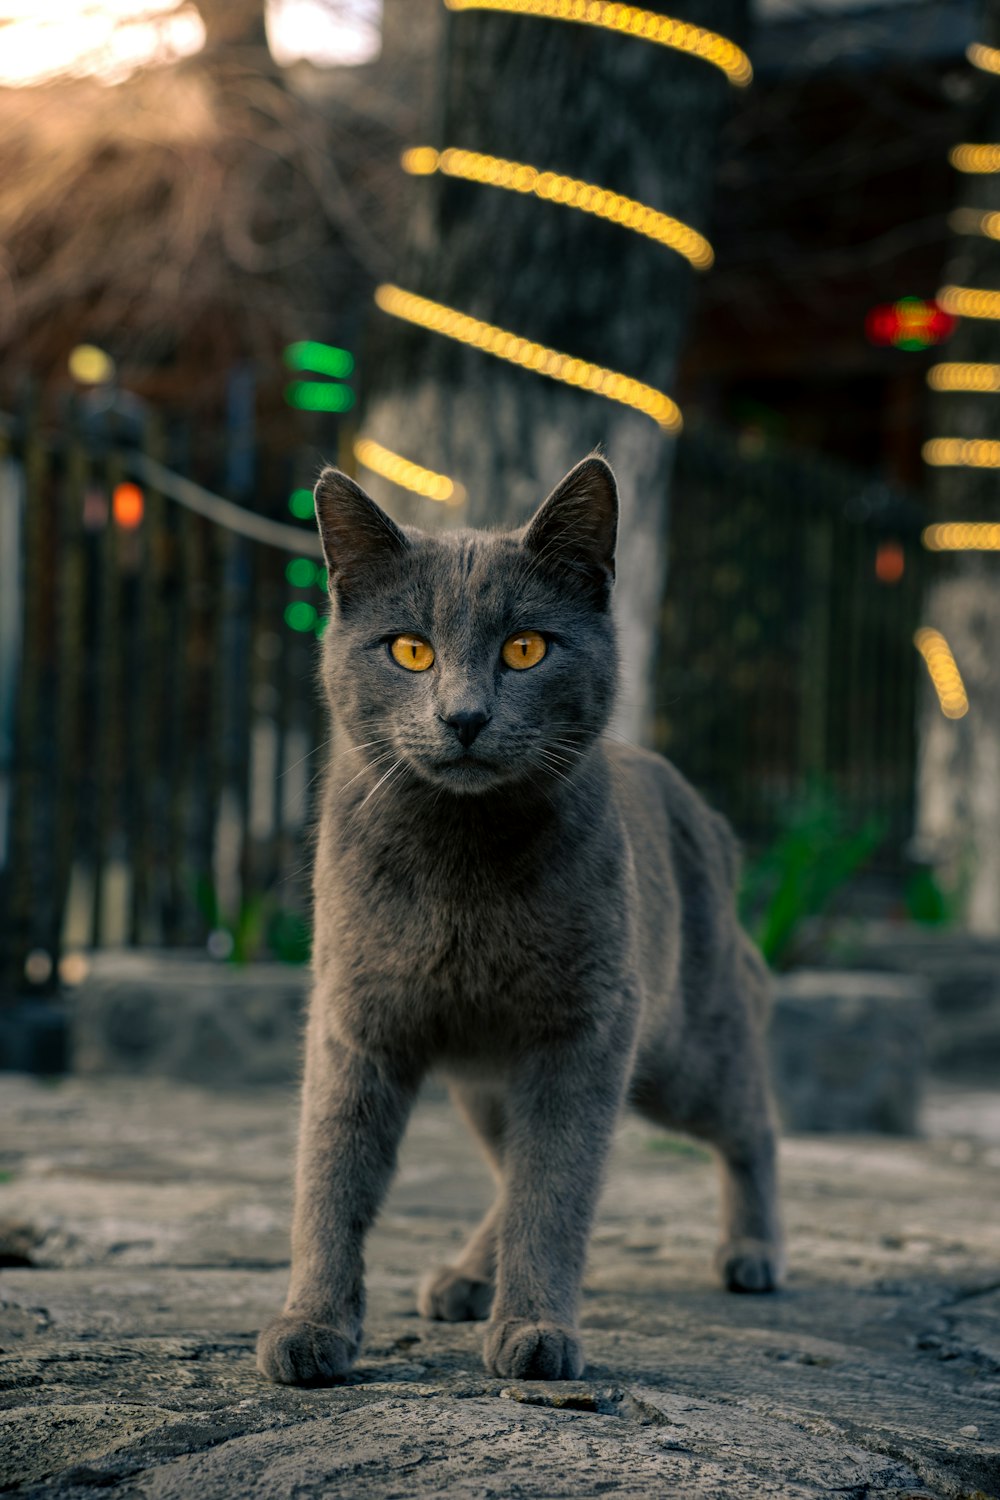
(183, 1016)
(847, 1050)
(847, 1047)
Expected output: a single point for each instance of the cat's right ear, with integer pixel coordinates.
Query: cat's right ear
(358, 538)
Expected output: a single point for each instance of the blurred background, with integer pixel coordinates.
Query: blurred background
(451, 245)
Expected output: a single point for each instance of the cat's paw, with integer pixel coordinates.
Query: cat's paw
(533, 1351)
(747, 1265)
(293, 1351)
(453, 1298)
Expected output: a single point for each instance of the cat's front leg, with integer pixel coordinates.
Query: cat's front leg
(562, 1108)
(354, 1108)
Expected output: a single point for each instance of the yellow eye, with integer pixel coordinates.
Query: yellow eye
(523, 650)
(412, 653)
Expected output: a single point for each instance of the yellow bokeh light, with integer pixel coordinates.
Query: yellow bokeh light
(980, 56)
(962, 453)
(974, 221)
(530, 356)
(975, 158)
(647, 25)
(969, 302)
(407, 475)
(964, 377)
(90, 365)
(944, 673)
(518, 177)
(962, 536)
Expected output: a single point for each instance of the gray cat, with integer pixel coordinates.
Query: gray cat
(544, 915)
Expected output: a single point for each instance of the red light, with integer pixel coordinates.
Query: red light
(910, 323)
(890, 562)
(127, 506)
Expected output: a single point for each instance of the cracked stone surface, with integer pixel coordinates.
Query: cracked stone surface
(143, 1239)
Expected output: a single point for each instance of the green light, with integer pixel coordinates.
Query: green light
(322, 359)
(321, 624)
(300, 503)
(322, 582)
(301, 572)
(300, 615)
(313, 395)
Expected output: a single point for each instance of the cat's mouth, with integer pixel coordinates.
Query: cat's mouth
(467, 771)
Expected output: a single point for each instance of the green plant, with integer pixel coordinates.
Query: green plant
(260, 925)
(815, 856)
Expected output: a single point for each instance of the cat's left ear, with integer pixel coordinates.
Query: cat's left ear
(358, 538)
(577, 526)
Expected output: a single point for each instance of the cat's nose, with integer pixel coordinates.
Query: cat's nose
(467, 723)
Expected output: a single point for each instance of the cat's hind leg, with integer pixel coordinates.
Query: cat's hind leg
(729, 1107)
(743, 1129)
(463, 1292)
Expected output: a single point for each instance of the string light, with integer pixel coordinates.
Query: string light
(321, 359)
(909, 323)
(969, 302)
(979, 159)
(962, 536)
(631, 21)
(987, 58)
(518, 177)
(316, 395)
(962, 453)
(408, 476)
(530, 356)
(964, 377)
(972, 221)
(944, 673)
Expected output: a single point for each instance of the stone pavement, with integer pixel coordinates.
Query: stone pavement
(145, 1243)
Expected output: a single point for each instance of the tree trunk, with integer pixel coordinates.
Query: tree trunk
(625, 114)
(958, 823)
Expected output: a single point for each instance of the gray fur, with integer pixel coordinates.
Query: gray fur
(546, 917)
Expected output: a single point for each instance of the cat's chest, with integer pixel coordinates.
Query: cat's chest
(464, 933)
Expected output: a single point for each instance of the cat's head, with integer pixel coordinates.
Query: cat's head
(478, 658)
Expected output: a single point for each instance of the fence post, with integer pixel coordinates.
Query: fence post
(814, 661)
(29, 790)
(68, 604)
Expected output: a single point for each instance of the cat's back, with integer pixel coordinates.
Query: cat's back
(686, 863)
(668, 822)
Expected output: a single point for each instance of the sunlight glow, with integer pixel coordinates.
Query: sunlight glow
(326, 33)
(45, 40)
(41, 40)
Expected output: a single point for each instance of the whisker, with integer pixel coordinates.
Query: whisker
(395, 766)
(308, 756)
(370, 766)
(382, 740)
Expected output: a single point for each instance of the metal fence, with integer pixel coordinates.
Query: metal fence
(160, 723)
(793, 591)
(161, 713)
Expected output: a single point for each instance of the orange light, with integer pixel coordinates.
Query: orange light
(127, 506)
(890, 562)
